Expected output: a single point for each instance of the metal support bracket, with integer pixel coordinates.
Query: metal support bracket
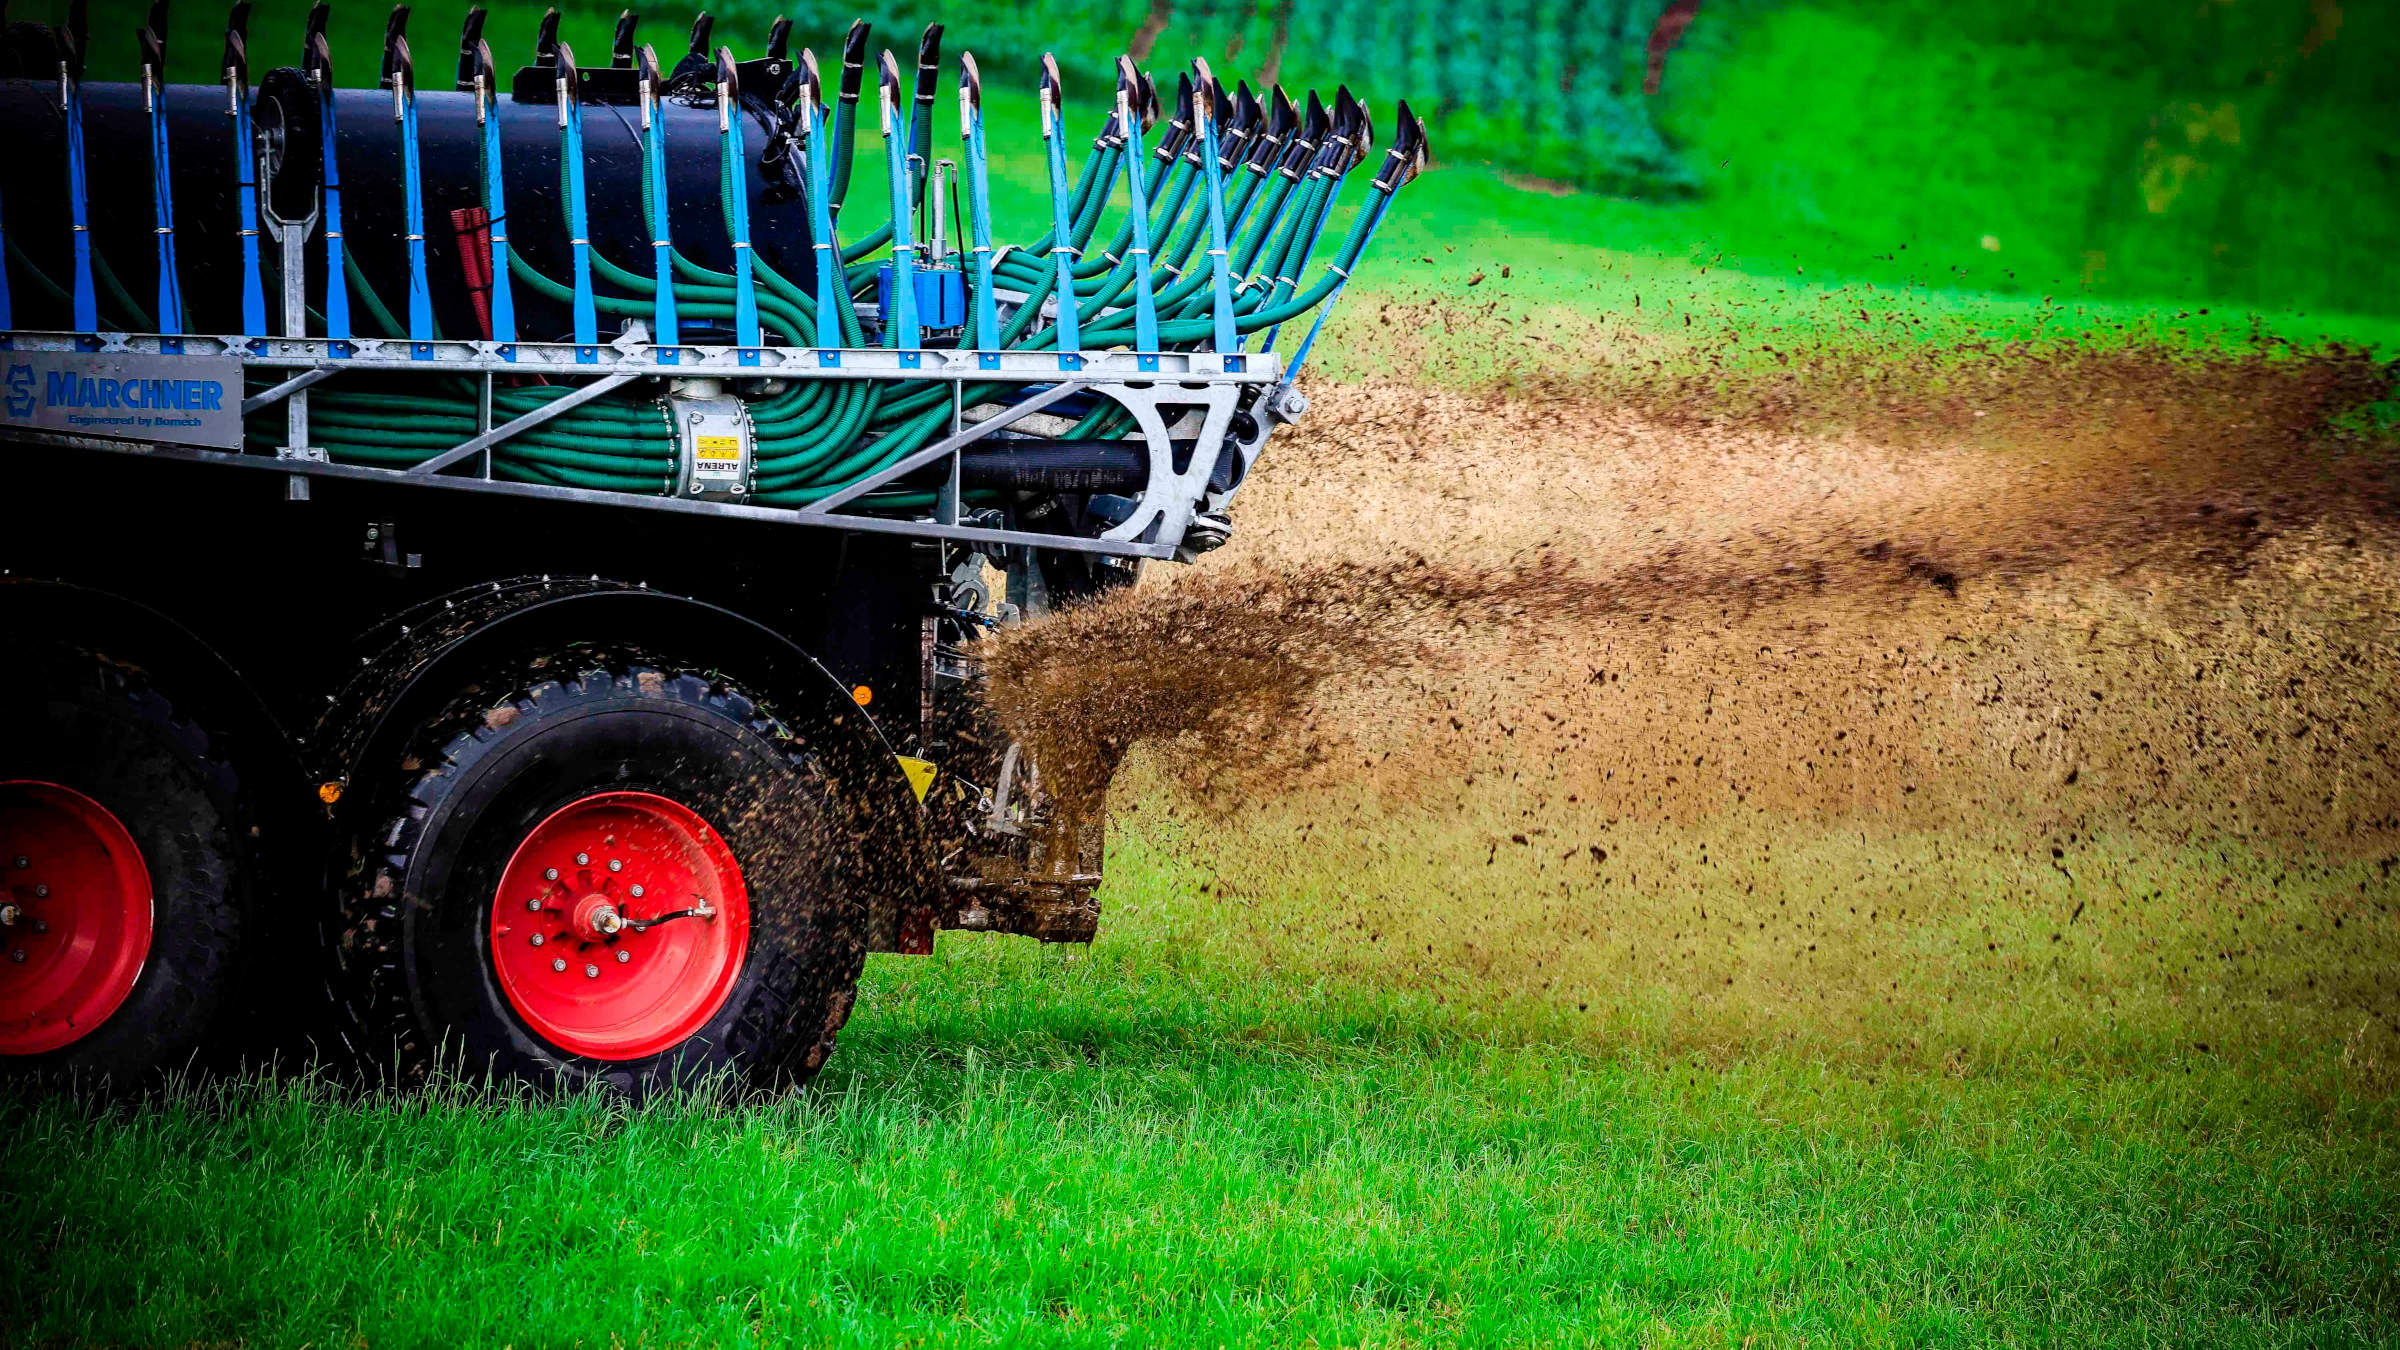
(1172, 497)
(275, 393)
(292, 238)
(530, 420)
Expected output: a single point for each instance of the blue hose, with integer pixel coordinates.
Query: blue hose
(162, 196)
(87, 305)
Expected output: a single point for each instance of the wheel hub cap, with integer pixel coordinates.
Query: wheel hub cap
(76, 896)
(595, 918)
(620, 925)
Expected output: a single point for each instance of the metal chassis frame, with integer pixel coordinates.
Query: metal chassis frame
(1140, 382)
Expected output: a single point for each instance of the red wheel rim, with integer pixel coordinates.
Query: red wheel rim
(567, 939)
(75, 897)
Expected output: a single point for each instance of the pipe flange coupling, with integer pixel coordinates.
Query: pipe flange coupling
(715, 448)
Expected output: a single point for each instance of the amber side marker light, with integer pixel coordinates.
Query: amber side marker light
(863, 694)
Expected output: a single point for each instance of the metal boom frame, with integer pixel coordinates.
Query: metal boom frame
(1209, 381)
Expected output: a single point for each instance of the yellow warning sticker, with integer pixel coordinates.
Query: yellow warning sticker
(920, 773)
(726, 448)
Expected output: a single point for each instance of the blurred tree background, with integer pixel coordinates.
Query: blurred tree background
(2240, 150)
(2237, 150)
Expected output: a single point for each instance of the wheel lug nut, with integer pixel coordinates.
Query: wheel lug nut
(41, 892)
(40, 927)
(583, 859)
(18, 956)
(637, 890)
(591, 972)
(533, 906)
(623, 956)
(537, 939)
(558, 963)
(616, 864)
(23, 862)
(549, 874)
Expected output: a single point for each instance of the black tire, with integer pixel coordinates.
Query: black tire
(99, 728)
(413, 950)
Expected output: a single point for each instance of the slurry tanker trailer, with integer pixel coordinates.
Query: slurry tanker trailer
(492, 574)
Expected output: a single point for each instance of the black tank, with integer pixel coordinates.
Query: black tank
(33, 196)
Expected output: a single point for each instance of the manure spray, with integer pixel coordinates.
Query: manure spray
(1709, 721)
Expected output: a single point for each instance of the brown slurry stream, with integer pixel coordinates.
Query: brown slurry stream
(2041, 609)
(2181, 594)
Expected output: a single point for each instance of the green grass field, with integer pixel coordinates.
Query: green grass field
(1209, 1131)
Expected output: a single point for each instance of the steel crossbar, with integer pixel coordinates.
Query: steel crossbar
(1138, 381)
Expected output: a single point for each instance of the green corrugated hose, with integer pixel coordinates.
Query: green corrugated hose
(818, 436)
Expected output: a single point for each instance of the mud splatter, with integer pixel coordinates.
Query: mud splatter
(1448, 579)
(1628, 703)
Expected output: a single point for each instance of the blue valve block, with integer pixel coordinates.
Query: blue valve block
(941, 296)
